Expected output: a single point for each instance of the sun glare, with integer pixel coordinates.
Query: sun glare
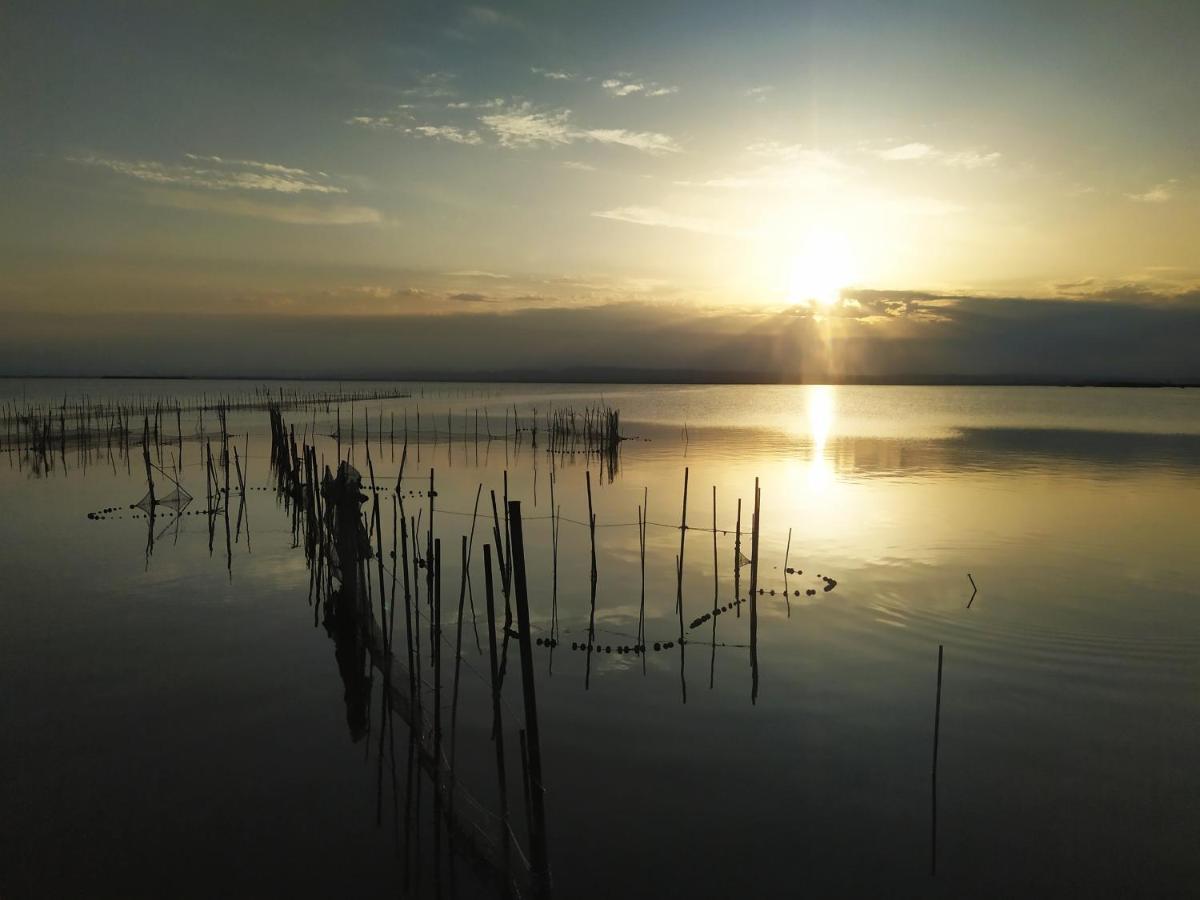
(820, 270)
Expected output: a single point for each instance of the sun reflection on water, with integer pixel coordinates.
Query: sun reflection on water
(821, 412)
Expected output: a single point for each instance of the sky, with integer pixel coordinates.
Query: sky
(790, 190)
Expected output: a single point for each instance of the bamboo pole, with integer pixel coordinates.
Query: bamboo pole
(786, 552)
(497, 714)
(643, 515)
(679, 565)
(737, 563)
(754, 593)
(462, 597)
(436, 653)
(587, 675)
(537, 818)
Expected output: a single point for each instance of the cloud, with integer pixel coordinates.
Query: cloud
(1159, 193)
(251, 164)
(215, 173)
(759, 93)
(467, 297)
(451, 133)
(552, 74)
(646, 141)
(523, 125)
(620, 87)
(494, 103)
(781, 167)
(891, 335)
(431, 85)
(578, 166)
(286, 213)
(375, 123)
(907, 151)
(446, 133)
(917, 151)
(660, 218)
(477, 273)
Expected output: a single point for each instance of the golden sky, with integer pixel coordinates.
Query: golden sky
(691, 159)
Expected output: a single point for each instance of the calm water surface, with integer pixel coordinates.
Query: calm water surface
(173, 724)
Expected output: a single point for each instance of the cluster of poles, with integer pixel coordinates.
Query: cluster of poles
(592, 431)
(40, 432)
(347, 572)
(218, 487)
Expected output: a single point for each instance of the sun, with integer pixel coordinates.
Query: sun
(822, 267)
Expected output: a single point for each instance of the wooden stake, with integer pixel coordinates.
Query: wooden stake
(757, 527)
(537, 817)
(497, 715)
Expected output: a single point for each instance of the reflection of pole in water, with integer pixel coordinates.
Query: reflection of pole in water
(937, 717)
(712, 664)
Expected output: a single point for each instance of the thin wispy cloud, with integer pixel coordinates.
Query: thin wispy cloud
(451, 133)
(286, 213)
(494, 103)
(524, 125)
(375, 123)
(552, 74)
(916, 151)
(431, 86)
(625, 86)
(1159, 193)
(576, 166)
(759, 93)
(215, 173)
(655, 217)
(446, 133)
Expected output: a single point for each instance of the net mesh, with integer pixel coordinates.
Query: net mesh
(176, 500)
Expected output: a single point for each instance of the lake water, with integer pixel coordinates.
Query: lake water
(177, 722)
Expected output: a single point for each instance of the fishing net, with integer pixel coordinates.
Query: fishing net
(176, 500)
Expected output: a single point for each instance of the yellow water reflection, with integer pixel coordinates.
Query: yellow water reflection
(819, 400)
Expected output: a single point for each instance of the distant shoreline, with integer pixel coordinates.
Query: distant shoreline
(639, 377)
